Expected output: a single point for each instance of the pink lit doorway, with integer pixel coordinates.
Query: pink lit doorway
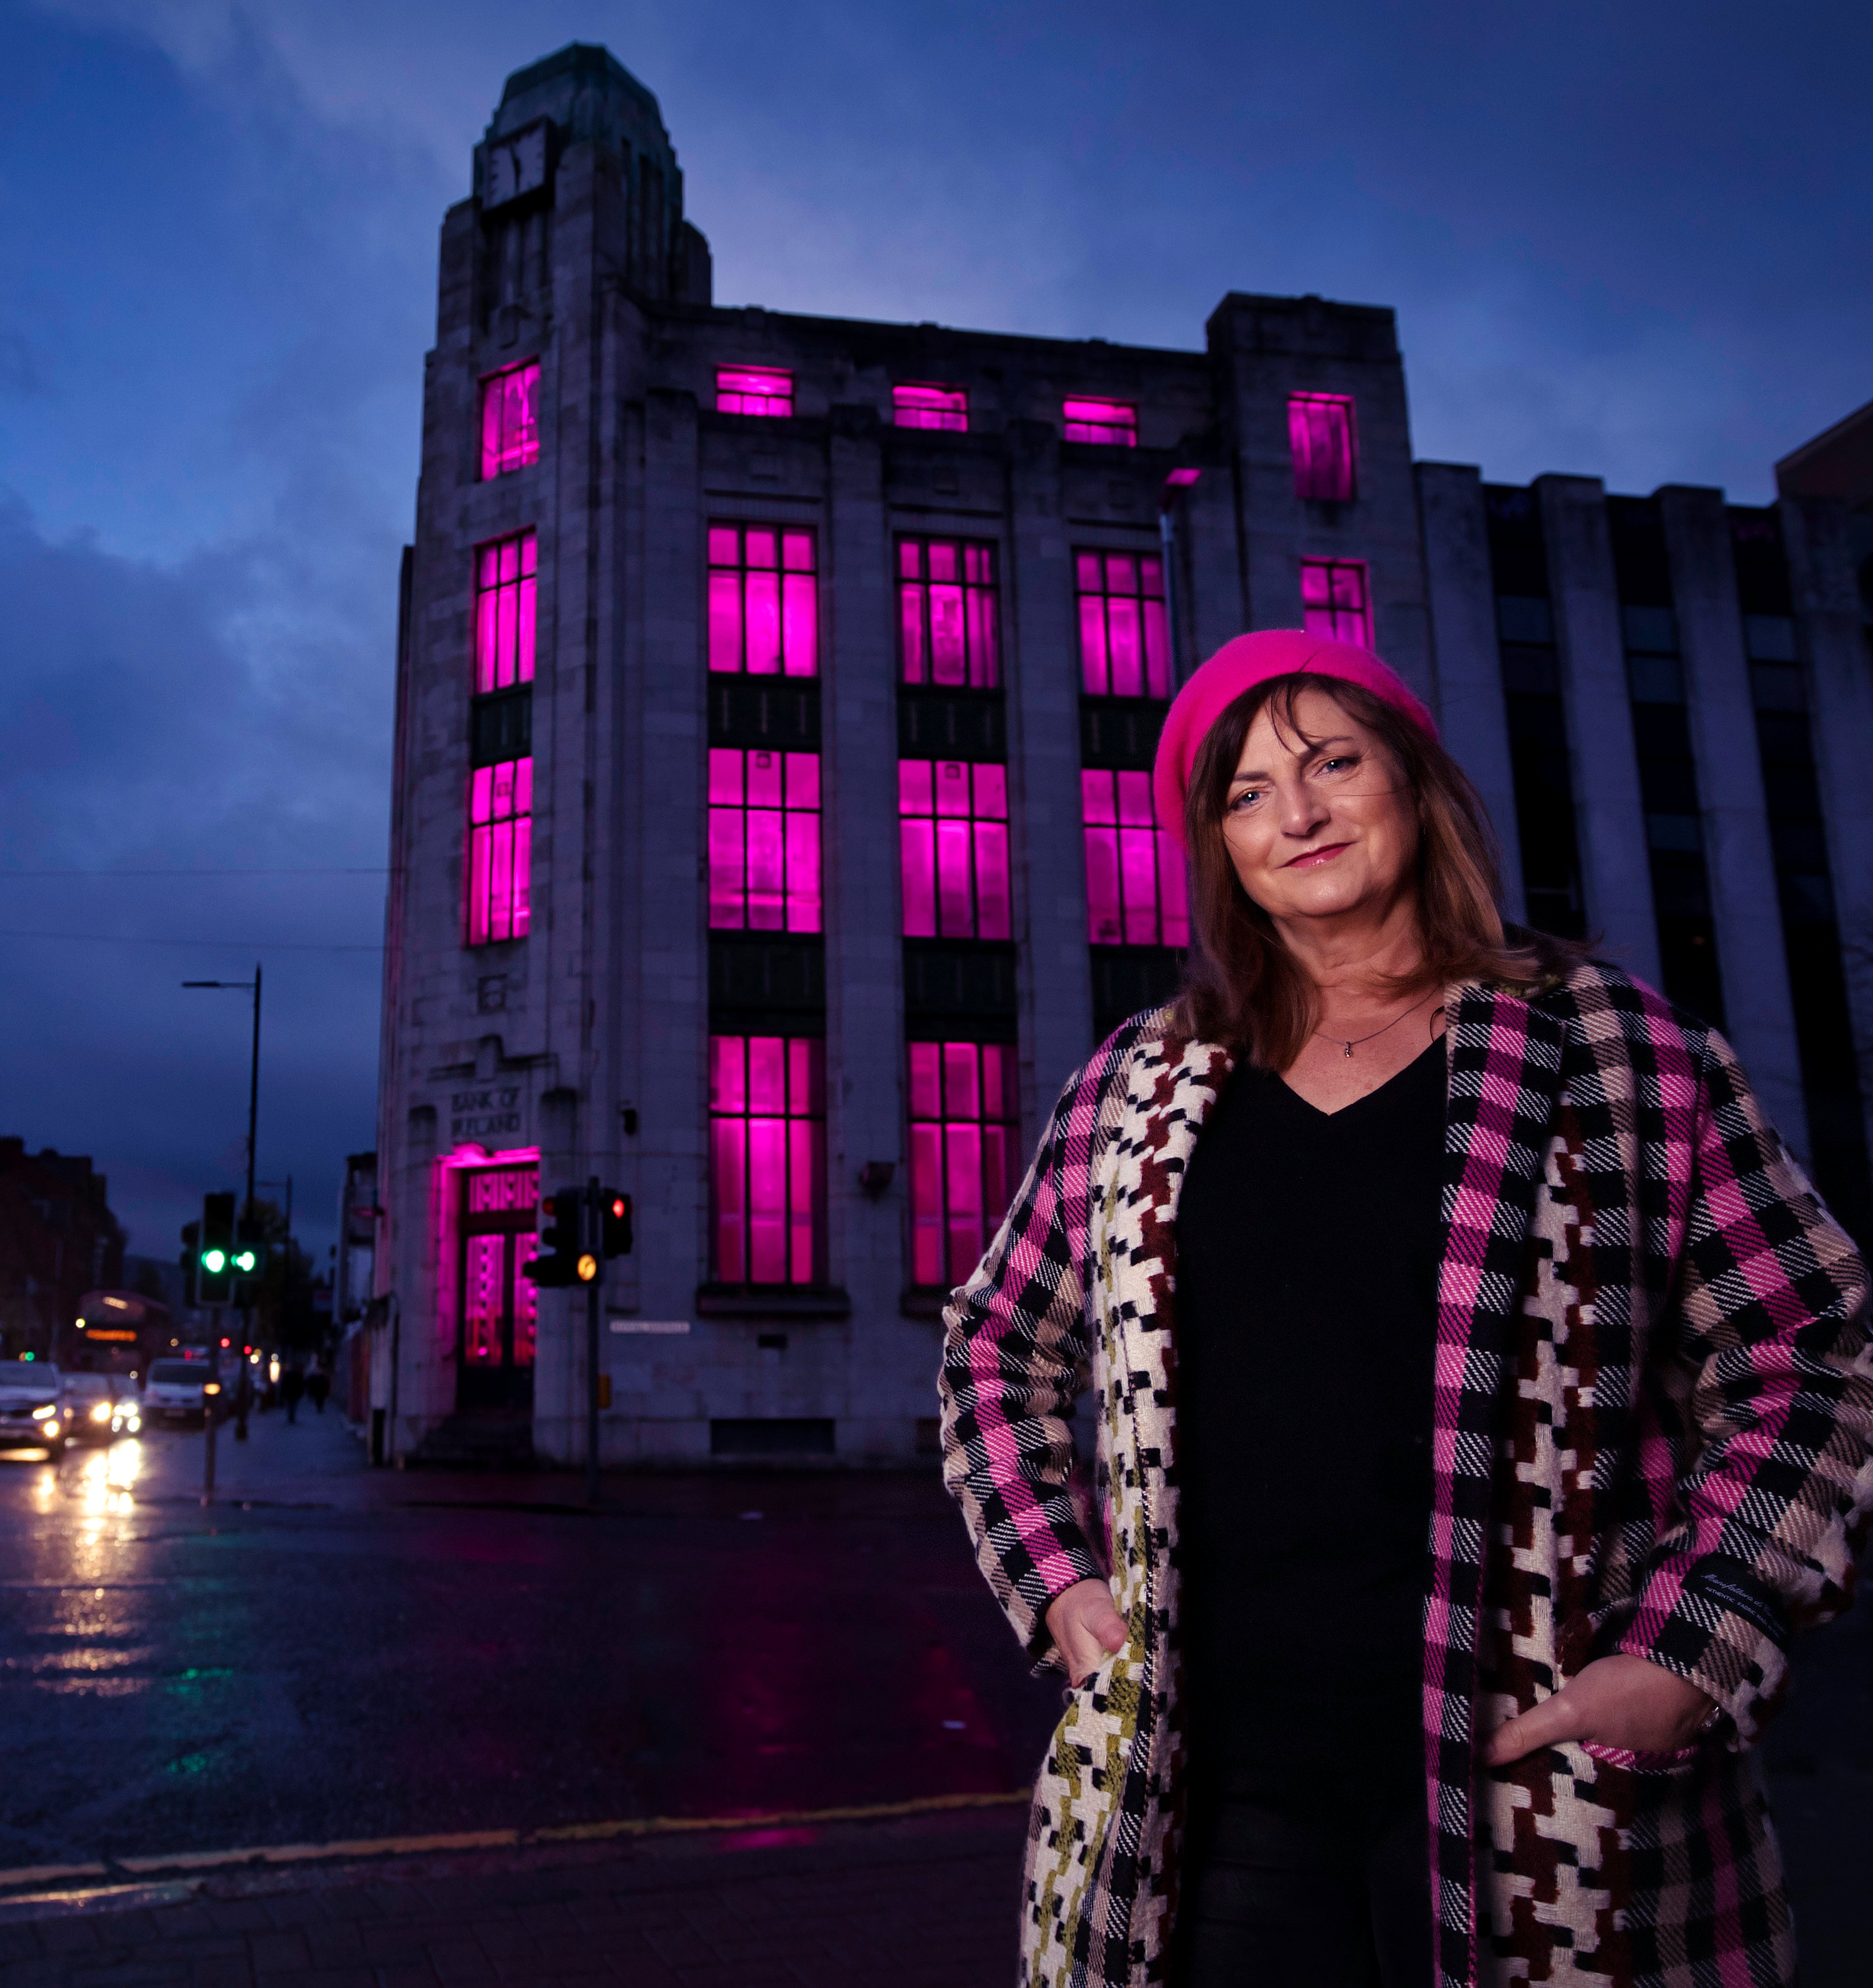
(495, 1331)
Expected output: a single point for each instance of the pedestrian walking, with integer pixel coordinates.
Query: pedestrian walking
(1482, 1397)
(292, 1389)
(318, 1385)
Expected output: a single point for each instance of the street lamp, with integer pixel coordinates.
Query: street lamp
(253, 1121)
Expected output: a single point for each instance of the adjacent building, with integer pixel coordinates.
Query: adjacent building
(771, 829)
(57, 1240)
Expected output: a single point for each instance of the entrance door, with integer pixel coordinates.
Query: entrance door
(494, 1344)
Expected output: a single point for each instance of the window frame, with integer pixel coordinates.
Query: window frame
(739, 390)
(954, 863)
(1335, 611)
(524, 453)
(976, 587)
(1334, 479)
(488, 635)
(1151, 637)
(947, 412)
(802, 1159)
(938, 1145)
(1122, 837)
(792, 616)
(488, 849)
(1089, 418)
(795, 825)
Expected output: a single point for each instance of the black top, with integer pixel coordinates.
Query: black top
(1307, 1252)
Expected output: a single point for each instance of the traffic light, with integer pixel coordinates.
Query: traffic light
(249, 1262)
(613, 1224)
(215, 1253)
(557, 1263)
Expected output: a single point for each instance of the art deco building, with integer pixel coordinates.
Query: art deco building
(772, 830)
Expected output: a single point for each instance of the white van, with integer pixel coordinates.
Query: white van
(173, 1392)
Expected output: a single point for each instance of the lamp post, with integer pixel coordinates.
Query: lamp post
(253, 1121)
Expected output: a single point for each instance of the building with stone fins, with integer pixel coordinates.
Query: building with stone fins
(771, 833)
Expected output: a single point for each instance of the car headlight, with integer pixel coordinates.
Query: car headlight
(101, 1413)
(45, 1412)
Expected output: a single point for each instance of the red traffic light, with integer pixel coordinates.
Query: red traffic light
(227, 1342)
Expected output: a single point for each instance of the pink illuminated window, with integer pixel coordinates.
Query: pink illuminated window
(1320, 435)
(764, 601)
(1100, 420)
(914, 407)
(504, 612)
(953, 835)
(753, 390)
(947, 627)
(764, 841)
(510, 419)
(964, 1154)
(500, 849)
(1334, 600)
(767, 1160)
(1134, 871)
(1125, 640)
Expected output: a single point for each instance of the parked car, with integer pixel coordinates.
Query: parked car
(91, 1398)
(174, 1393)
(33, 1409)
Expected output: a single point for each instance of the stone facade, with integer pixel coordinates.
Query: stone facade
(586, 1042)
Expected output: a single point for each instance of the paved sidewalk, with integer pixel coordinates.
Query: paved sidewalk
(927, 1903)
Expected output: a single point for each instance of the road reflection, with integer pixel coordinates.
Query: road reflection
(107, 1477)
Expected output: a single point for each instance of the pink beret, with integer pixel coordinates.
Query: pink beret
(1239, 665)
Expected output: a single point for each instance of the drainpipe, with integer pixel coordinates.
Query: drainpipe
(396, 1373)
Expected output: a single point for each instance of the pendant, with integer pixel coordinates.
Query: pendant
(1349, 1052)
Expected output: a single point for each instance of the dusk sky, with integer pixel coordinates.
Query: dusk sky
(1625, 241)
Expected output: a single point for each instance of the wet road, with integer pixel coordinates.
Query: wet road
(332, 1651)
(335, 1652)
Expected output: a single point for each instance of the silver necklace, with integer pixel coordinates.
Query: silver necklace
(1349, 1046)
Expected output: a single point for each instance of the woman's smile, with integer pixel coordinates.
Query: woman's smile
(1308, 858)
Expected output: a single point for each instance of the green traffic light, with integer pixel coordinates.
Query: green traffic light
(214, 1261)
(245, 1260)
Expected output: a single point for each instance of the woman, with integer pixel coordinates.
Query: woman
(1482, 1396)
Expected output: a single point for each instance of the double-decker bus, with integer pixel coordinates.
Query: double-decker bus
(116, 1332)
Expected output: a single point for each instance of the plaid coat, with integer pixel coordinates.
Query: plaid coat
(1651, 1421)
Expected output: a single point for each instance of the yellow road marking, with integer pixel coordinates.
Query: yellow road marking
(507, 1839)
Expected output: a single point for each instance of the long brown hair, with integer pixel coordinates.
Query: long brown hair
(1242, 985)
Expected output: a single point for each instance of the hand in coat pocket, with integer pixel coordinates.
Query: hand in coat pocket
(1085, 1626)
(1620, 1701)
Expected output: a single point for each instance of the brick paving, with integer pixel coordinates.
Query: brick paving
(928, 1903)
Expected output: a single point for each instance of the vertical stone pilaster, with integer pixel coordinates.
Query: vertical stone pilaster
(665, 812)
(864, 953)
(1056, 987)
(1471, 710)
(1213, 608)
(1608, 812)
(1752, 957)
(1834, 644)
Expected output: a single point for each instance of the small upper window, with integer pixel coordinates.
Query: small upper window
(1335, 601)
(510, 419)
(1320, 435)
(916, 406)
(753, 390)
(1101, 421)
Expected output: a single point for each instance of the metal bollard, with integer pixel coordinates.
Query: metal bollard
(211, 1401)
